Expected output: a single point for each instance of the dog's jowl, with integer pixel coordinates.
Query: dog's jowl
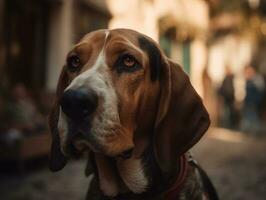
(135, 113)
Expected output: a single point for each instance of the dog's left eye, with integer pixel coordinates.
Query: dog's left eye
(73, 63)
(127, 63)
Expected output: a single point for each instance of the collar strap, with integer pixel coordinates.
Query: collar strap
(173, 192)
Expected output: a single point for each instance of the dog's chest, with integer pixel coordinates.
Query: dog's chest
(120, 175)
(191, 190)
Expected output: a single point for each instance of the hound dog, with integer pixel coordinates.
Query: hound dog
(136, 112)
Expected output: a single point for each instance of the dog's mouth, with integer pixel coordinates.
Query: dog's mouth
(80, 146)
(74, 148)
(77, 140)
(80, 139)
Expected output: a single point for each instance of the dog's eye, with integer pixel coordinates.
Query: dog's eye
(73, 63)
(127, 63)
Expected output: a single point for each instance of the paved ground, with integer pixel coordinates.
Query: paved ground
(236, 164)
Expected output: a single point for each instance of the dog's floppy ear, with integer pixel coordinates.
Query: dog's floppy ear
(57, 159)
(181, 119)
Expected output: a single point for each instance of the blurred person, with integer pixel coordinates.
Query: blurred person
(255, 85)
(22, 112)
(227, 93)
(45, 101)
(8, 135)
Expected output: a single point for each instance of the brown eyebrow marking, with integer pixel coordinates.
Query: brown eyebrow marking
(117, 43)
(83, 51)
(123, 47)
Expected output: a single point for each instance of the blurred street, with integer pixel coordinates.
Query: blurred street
(234, 161)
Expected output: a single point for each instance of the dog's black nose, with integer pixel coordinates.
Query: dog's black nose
(79, 103)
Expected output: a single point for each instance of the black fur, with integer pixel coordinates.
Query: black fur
(155, 57)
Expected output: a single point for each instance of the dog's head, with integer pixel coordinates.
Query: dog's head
(118, 92)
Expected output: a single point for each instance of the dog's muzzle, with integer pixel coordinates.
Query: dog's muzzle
(78, 105)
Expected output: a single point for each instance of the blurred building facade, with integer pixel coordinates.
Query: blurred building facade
(39, 33)
(35, 36)
(204, 36)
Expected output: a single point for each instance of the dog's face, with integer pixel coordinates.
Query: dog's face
(114, 88)
(106, 72)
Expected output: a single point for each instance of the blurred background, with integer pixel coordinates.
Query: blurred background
(220, 43)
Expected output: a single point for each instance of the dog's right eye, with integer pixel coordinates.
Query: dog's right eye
(73, 63)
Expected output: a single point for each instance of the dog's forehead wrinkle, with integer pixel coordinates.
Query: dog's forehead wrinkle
(123, 42)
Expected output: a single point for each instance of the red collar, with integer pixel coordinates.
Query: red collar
(173, 192)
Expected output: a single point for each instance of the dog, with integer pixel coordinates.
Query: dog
(136, 113)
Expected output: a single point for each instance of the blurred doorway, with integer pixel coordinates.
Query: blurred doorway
(25, 25)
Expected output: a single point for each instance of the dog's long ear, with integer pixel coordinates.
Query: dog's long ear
(181, 119)
(57, 159)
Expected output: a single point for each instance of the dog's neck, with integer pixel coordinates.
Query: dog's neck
(137, 177)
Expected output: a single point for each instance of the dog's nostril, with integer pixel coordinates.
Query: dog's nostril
(79, 103)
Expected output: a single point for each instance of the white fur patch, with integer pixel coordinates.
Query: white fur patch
(131, 172)
(98, 79)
